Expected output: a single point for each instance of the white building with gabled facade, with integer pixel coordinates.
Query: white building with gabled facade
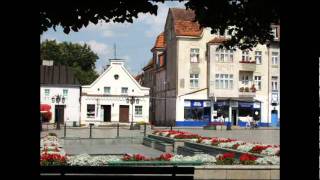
(107, 98)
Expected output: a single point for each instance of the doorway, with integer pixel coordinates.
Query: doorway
(124, 113)
(59, 113)
(106, 113)
(274, 118)
(234, 117)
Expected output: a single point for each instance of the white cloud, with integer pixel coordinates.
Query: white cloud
(100, 48)
(110, 29)
(156, 23)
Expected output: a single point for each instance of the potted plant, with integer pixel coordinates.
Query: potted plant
(241, 89)
(246, 89)
(253, 88)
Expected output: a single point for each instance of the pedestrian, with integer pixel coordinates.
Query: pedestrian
(248, 121)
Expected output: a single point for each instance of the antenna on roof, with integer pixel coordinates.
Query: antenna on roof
(115, 51)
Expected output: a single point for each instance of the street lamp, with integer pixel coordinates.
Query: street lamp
(57, 99)
(132, 100)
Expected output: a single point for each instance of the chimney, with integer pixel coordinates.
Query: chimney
(47, 62)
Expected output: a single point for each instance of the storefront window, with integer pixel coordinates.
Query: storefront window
(90, 110)
(197, 110)
(243, 112)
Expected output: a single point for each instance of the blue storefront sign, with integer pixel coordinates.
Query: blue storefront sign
(196, 103)
(245, 104)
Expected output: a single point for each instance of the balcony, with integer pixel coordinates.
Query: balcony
(247, 65)
(247, 92)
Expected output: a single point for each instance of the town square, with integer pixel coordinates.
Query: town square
(161, 92)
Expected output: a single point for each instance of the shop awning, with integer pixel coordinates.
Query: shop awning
(45, 107)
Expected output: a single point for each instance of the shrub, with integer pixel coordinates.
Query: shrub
(241, 89)
(246, 89)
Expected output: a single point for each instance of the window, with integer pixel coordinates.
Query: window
(275, 58)
(138, 110)
(245, 79)
(224, 81)
(245, 56)
(275, 32)
(124, 90)
(274, 83)
(194, 80)
(90, 110)
(258, 57)
(65, 92)
(257, 82)
(106, 90)
(46, 92)
(224, 55)
(194, 55)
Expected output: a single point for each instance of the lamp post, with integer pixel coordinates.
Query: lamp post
(132, 100)
(57, 99)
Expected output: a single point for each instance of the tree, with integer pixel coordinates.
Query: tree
(250, 19)
(79, 57)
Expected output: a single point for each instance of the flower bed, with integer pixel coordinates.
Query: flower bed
(176, 134)
(51, 152)
(168, 159)
(258, 148)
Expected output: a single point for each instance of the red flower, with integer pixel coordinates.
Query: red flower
(165, 157)
(247, 159)
(259, 148)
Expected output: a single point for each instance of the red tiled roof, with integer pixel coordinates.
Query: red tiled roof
(184, 24)
(160, 41)
(218, 40)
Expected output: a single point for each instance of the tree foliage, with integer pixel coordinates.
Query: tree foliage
(250, 19)
(79, 57)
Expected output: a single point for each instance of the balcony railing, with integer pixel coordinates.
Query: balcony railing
(247, 65)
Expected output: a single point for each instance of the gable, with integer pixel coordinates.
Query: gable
(107, 79)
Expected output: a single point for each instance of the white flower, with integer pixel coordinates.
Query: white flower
(206, 141)
(205, 158)
(192, 140)
(229, 144)
(270, 151)
(87, 160)
(164, 133)
(268, 160)
(245, 147)
(172, 135)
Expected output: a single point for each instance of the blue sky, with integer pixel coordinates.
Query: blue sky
(133, 40)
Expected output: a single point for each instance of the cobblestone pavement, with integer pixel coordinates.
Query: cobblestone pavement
(99, 147)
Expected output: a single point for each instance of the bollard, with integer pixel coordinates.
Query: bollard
(145, 130)
(65, 130)
(118, 130)
(91, 124)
